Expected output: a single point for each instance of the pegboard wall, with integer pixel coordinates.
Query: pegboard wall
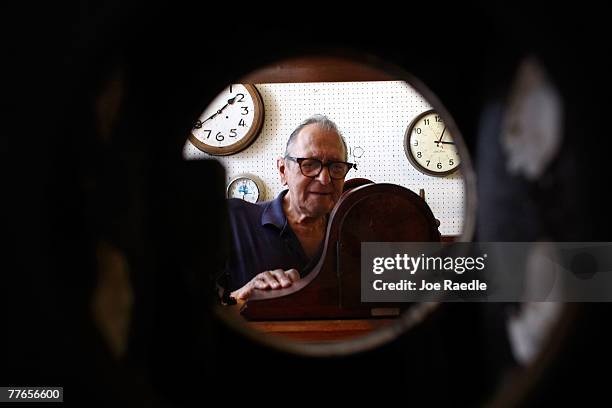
(372, 116)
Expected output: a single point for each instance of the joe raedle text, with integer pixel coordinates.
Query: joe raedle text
(446, 285)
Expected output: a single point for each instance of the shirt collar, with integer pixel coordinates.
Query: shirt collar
(273, 212)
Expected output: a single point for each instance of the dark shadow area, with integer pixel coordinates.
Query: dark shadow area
(78, 175)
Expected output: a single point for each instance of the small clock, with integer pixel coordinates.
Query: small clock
(246, 187)
(231, 122)
(430, 146)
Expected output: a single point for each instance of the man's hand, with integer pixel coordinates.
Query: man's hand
(276, 279)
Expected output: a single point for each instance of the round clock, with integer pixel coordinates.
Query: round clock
(246, 187)
(231, 122)
(430, 146)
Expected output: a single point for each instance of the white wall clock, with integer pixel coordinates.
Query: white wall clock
(231, 122)
(429, 145)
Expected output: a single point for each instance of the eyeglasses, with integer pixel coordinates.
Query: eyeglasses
(313, 167)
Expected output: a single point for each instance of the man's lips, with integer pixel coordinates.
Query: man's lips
(322, 193)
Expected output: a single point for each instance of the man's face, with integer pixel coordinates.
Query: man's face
(313, 197)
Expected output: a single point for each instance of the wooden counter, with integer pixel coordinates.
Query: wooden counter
(320, 330)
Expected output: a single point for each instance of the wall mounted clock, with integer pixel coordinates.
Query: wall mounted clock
(429, 145)
(231, 122)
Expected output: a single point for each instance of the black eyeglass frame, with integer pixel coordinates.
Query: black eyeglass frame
(299, 161)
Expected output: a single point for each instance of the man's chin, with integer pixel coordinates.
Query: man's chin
(322, 207)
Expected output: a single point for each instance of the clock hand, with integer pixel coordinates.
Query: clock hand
(210, 117)
(441, 135)
(447, 142)
(218, 112)
(198, 124)
(229, 102)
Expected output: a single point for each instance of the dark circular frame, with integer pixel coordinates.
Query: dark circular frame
(415, 315)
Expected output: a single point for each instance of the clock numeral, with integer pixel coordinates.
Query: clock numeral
(417, 131)
(416, 142)
(439, 166)
(197, 124)
(419, 155)
(428, 163)
(245, 109)
(426, 121)
(242, 123)
(219, 137)
(438, 118)
(451, 162)
(233, 133)
(209, 132)
(230, 88)
(240, 96)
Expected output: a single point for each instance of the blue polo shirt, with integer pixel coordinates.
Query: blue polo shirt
(262, 240)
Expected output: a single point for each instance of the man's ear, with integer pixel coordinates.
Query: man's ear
(280, 164)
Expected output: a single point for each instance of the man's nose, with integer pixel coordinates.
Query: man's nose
(324, 177)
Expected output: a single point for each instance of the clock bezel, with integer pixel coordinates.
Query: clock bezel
(249, 137)
(410, 156)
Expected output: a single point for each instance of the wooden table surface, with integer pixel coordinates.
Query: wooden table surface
(320, 330)
(323, 330)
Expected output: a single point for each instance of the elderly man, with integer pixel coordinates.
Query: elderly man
(276, 241)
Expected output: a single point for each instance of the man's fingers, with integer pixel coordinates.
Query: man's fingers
(270, 279)
(280, 276)
(243, 293)
(260, 284)
(293, 275)
(276, 279)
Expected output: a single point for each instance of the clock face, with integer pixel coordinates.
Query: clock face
(245, 188)
(231, 122)
(430, 146)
